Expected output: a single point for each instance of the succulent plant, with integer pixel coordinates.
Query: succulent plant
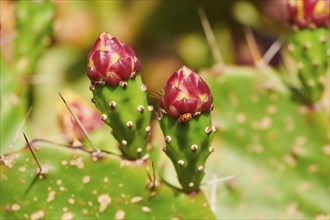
(120, 94)
(186, 125)
(33, 37)
(76, 185)
(310, 48)
(277, 149)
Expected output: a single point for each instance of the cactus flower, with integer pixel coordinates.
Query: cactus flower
(185, 93)
(88, 116)
(309, 13)
(111, 61)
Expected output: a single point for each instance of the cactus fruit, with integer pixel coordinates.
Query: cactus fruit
(186, 125)
(119, 94)
(309, 46)
(74, 186)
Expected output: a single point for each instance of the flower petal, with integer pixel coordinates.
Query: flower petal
(115, 46)
(173, 113)
(129, 51)
(171, 94)
(137, 65)
(101, 61)
(112, 79)
(189, 84)
(162, 103)
(206, 104)
(174, 79)
(186, 105)
(93, 75)
(122, 68)
(203, 88)
(96, 46)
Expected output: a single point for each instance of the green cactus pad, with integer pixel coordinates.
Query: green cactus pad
(13, 107)
(188, 147)
(127, 112)
(310, 50)
(77, 187)
(278, 149)
(34, 27)
(31, 17)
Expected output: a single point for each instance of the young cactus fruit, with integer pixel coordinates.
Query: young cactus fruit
(309, 46)
(186, 125)
(119, 94)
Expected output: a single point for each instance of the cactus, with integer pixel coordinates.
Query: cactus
(37, 17)
(278, 150)
(30, 16)
(186, 125)
(12, 114)
(119, 94)
(309, 46)
(76, 185)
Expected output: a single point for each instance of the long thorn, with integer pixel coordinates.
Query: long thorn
(49, 142)
(272, 50)
(213, 197)
(220, 180)
(252, 44)
(210, 36)
(153, 175)
(149, 177)
(33, 154)
(79, 124)
(19, 130)
(31, 184)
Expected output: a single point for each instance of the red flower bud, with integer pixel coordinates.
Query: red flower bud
(111, 61)
(185, 92)
(309, 13)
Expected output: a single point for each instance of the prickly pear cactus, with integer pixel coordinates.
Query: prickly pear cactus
(119, 94)
(186, 125)
(75, 185)
(278, 150)
(309, 46)
(33, 17)
(34, 24)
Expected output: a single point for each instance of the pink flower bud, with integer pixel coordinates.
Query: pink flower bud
(87, 115)
(309, 13)
(111, 61)
(185, 92)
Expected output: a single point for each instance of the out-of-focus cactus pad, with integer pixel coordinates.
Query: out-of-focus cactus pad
(278, 149)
